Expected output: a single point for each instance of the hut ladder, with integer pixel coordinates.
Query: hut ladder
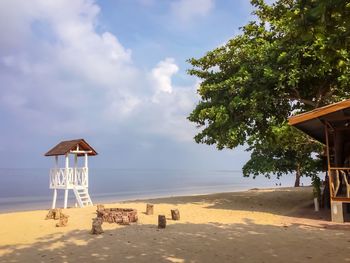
(82, 196)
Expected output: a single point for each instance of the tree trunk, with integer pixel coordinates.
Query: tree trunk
(297, 176)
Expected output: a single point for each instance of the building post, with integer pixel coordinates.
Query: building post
(55, 182)
(67, 173)
(75, 168)
(65, 198)
(54, 198)
(86, 169)
(86, 160)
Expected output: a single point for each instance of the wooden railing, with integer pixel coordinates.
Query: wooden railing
(336, 176)
(69, 177)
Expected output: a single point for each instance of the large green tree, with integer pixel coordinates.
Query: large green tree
(293, 58)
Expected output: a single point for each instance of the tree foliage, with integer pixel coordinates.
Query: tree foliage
(293, 58)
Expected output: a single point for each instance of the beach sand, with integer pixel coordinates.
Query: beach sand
(271, 225)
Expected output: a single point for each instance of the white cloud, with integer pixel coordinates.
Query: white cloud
(161, 76)
(186, 10)
(61, 76)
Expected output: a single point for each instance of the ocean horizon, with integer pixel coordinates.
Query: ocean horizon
(28, 189)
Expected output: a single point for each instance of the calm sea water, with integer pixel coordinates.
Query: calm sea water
(26, 189)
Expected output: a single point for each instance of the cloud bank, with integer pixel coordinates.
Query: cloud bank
(62, 76)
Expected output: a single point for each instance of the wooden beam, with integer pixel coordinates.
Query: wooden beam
(341, 199)
(79, 151)
(319, 112)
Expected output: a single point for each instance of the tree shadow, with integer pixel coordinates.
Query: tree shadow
(292, 202)
(187, 242)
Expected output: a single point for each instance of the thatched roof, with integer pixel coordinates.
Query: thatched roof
(65, 147)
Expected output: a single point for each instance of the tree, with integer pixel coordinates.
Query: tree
(293, 58)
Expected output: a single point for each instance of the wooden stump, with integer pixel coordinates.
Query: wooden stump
(175, 214)
(54, 214)
(63, 220)
(161, 221)
(149, 209)
(96, 226)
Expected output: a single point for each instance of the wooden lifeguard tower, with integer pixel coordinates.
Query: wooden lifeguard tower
(330, 125)
(74, 178)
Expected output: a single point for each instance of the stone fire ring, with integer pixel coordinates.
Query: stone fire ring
(118, 215)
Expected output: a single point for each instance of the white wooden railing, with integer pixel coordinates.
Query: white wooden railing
(69, 177)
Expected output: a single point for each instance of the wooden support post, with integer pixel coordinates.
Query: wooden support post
(337, 212)
(56, 161)
(149, 209)
(161, 221)
(75, 168)
(65, 198)
(54, 199)
(86, 167)
(86, 160)
(67, 161)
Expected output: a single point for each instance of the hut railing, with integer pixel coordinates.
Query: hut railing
(68, 177)
(338, 175)
(81, 176)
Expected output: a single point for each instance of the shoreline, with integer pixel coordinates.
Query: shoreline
(112, 198)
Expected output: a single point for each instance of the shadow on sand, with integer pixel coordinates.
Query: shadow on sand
(185, 242)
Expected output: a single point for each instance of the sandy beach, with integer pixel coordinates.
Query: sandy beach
(270, 225)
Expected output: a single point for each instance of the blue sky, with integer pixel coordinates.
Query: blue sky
(112, 72)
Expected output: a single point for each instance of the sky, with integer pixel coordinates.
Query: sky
(113, 73)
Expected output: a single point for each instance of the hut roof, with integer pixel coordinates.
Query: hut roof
(312, 122)
(65, 147)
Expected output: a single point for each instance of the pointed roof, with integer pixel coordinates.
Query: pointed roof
(65, 147)
(312, 122)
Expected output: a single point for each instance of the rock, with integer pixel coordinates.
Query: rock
(63, 220)
(100, 207)
(125, 220)
(115, 215)
(54, 214)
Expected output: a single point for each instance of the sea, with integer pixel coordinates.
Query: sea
(28, 189)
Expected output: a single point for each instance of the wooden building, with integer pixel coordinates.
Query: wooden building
(330, 125)
(74, 178)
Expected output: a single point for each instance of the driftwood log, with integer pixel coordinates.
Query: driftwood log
(54, 214)
(97, 226)
(175, 214)
(161, 221)
(63, 221)
(149, 209)
(118, 215)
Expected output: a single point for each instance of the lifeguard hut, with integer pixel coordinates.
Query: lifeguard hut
(330, 125)
(74, 178)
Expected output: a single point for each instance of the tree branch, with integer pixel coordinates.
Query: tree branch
(298, 97)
